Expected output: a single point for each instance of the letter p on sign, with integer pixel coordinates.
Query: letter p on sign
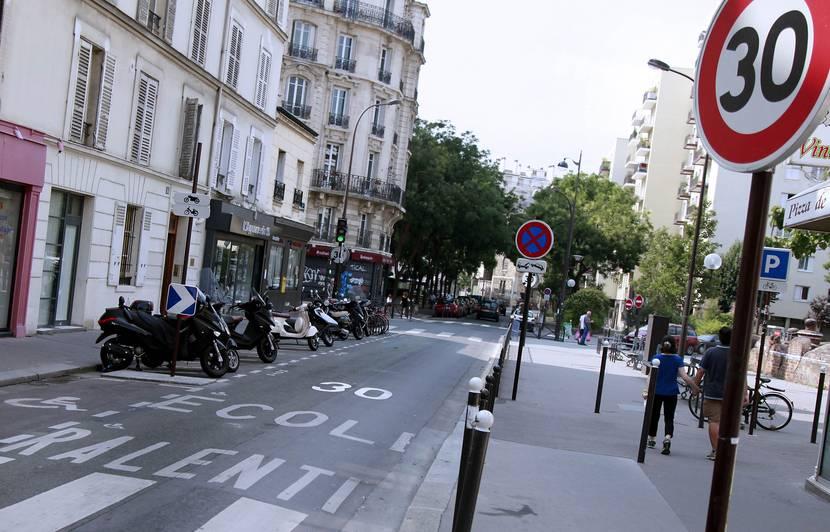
(775, 264)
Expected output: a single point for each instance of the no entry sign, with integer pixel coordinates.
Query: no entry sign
(534, 239)
(762, 80)
(639, 301)
(629, 304)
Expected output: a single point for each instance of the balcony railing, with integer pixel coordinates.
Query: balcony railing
(378, 130)
(385, 76)
(154, 23)
(300, 111)
(344, 63)
(338, 120)
(302, 52)
(279, 191)
(364, 239)
(642, 170)
(683, 192)
(686, 168)
(325, 233)
(690, 143)
(680, 218)
(376, 16)
(650, 96)
(690, 119)
(336, 181)
(298, 199)
(314, 3)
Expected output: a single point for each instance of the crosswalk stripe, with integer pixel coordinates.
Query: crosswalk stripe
(255, 516)
(70, 502)
(106, 414)
(413, 331)
(445, 334)
(4, 460)
(333, 504)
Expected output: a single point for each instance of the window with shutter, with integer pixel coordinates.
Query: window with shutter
(131, 227)
(143, 248)
(233, 162)
(116, 243)
(105, 103)
(79, 97)
(263, 75)
(246, 171)
(201, 22)
(192, 110)
(91, 96)
(145, 113)
(272, 7)
(170, 20)
(234, 55)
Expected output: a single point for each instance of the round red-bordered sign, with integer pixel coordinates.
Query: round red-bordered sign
(639, 301)
(534, 239)
(753, 126)
(629, 304)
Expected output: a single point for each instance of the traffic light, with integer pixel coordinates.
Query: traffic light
(341, 231)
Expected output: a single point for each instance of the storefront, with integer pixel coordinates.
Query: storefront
(22, 167)
(363, 276)
(245, 250)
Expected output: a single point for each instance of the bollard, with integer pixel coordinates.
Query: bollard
(700, 417)
(474, 387)
(599, 344)
(473, 470)
(816, 416)
(484, 399)
(497, 376)
(491, 392)
(652, 385)
(601, 377)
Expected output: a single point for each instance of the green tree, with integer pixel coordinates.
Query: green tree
(728, 277)
(590, 298)
(802, 243)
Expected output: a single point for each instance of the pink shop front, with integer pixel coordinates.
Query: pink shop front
(365, 274)
(22, 167)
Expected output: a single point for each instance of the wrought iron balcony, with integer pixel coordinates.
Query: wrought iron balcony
(364, 239)
(327, 180)
(313, 3)
(344, 63)
(377, 16)
(683, 192)
(154, 23)
(300, 111)
(298, 199)
(385, 76)
(338, 120)
(279, 191)
(302, 52)
(378, 130)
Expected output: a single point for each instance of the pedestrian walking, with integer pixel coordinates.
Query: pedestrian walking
(388, 306)
(666, 392)
(584, 327)
(405, 306)
(713, 373)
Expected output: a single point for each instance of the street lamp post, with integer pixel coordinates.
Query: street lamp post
(687, 302)
(567, 259)
(338, 266)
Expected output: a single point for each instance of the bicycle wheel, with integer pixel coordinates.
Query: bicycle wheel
(694, 405)
(774, 411)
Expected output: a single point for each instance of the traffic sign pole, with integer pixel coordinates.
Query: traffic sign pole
(189, 232)
(523, 329)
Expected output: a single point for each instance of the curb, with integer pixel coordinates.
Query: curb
(32, 377)
(435, 492)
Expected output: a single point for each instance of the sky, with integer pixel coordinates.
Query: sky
(539, 80)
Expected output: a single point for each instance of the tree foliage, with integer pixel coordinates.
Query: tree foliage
(802, 243)
(592, 299)
(728, 277)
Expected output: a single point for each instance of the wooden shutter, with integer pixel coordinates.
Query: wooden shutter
(79, 97)
(105, 103)
(259, 187)
(217, 149)
(246, 171)
(169, 20)
(234, 56)
(234, 160)
(143, 14)
(144, 247)
(272, 7)
(201, 21)
(263, 75)
(145, 113)
(116, 244)
(191, 109)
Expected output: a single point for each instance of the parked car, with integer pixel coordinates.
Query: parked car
(674, 331)
(446, 307)
(531, 318)
(489, 310)
(705, 341)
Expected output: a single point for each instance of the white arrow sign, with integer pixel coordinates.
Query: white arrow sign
(181, 299)
(340, 255)
(532, 266)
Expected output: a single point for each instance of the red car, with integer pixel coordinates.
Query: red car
(446, 308)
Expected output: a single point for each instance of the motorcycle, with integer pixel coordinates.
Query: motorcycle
(135, 333)
(297, 325)
(257, 334)
(338, 311)
(324, 323)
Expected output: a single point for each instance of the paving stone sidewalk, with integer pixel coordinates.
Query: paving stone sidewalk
(47, 355)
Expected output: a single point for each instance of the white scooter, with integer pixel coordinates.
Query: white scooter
(296, 325)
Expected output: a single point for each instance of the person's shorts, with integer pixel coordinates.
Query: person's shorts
(711, 409)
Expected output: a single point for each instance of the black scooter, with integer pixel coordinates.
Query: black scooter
(257, 334)
(150, 339)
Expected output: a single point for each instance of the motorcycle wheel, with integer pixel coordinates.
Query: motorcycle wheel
(233, 360)
(327, 338)
(314, 342)
(357, 331)
(214, 364)
(343, 334)
(112, 361)
(265, 352)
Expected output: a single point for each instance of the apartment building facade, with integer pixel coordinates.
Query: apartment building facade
(110, 115)
(346, 57)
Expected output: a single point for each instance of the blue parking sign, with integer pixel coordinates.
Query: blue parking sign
(775, 264)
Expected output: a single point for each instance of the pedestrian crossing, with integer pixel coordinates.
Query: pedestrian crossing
(82, 498)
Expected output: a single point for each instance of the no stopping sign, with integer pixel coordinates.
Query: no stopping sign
(762, 80)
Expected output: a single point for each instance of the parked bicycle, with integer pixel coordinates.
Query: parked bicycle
(775, 410)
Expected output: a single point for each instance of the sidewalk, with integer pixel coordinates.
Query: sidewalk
(47, 355)
(552, 464)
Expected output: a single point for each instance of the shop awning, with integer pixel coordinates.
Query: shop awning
(809, 209)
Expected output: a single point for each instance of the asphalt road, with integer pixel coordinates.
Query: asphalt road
(333, 440)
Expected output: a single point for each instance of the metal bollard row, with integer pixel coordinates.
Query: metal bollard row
(817, 411)
(601, 377)
(652, 385)
(472, 467)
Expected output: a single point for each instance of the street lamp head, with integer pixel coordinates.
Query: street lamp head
(563, 164)
(571, 283)
(712, 261)
(392, 102)
(659, 65)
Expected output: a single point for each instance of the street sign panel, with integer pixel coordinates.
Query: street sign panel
(766, 285)
(191, 198)
(191, 210)
(181, 299)
(534, 239)
(639, 301)
(816, 151)
(629, 304)
(775, 264)
(340, 255)
(532, 266)
(547, 291)
(762, 80)
(533, 283)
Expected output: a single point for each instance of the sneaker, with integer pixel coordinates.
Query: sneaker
(666, 446)
(711, 455)
(652, 443)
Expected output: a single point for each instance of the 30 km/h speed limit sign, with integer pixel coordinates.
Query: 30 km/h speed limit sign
(762, 80)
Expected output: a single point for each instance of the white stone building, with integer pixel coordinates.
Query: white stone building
(345, 56)
(525, 182)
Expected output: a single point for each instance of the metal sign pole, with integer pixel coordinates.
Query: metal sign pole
(757, 389)
(176, 346)
(190, 219)
(523, 326)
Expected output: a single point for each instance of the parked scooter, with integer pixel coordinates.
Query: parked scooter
(327, 326)
(257, 334)
(150, 339)
(296, 325)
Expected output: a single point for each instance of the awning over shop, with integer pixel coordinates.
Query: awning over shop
(809, 209)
